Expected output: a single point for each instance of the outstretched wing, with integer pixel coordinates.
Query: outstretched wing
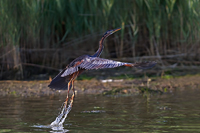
(100, 63)
(91, 63)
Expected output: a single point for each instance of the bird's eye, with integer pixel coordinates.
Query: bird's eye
(108, 32)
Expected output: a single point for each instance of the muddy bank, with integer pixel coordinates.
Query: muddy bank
(105, 87)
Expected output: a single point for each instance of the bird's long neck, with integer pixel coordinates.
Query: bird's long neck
(101, 46)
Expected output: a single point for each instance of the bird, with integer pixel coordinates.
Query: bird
(65, 79)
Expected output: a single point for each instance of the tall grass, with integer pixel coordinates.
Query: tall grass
(53, 32)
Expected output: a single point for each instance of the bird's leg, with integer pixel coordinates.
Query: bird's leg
(66, 101)
(70, 85)
(66, 109)
(63, 114)
(73, 95)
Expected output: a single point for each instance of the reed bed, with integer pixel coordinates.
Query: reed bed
(50, 33)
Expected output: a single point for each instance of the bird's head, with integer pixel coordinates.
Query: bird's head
(109, 32)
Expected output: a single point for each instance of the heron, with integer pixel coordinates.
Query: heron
(65, 79)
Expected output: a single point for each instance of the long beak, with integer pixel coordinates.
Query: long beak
(115, 30)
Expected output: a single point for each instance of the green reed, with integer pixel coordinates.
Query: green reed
(55, 28)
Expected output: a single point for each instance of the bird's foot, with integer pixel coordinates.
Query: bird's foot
(65, 104)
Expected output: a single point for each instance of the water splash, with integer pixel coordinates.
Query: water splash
(58, 122)
(58, 129)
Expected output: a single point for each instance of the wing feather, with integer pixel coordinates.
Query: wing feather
(69, 71)
(100, 63)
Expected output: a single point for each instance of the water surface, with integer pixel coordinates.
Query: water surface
(171, 112)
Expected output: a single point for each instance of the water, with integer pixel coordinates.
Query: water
(172, 112)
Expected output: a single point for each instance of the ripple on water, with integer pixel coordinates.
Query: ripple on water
(177, 112)
(54, 129)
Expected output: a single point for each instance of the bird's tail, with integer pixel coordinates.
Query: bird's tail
(60, 83)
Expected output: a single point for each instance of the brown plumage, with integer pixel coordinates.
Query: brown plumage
(65, 79)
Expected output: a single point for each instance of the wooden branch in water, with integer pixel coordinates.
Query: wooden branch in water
(184, 62)
(7, 53)
(156, 57)
(41, 66)
(39, 50)
(36, 65)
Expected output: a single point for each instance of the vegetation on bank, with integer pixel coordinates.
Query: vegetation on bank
(48, 34)
(124, 87)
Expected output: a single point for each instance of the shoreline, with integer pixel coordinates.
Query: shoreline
(104, 87)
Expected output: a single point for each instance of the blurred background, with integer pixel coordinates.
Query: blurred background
(42, 36)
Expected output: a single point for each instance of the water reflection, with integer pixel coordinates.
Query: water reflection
(55, 129)
(178, 111)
